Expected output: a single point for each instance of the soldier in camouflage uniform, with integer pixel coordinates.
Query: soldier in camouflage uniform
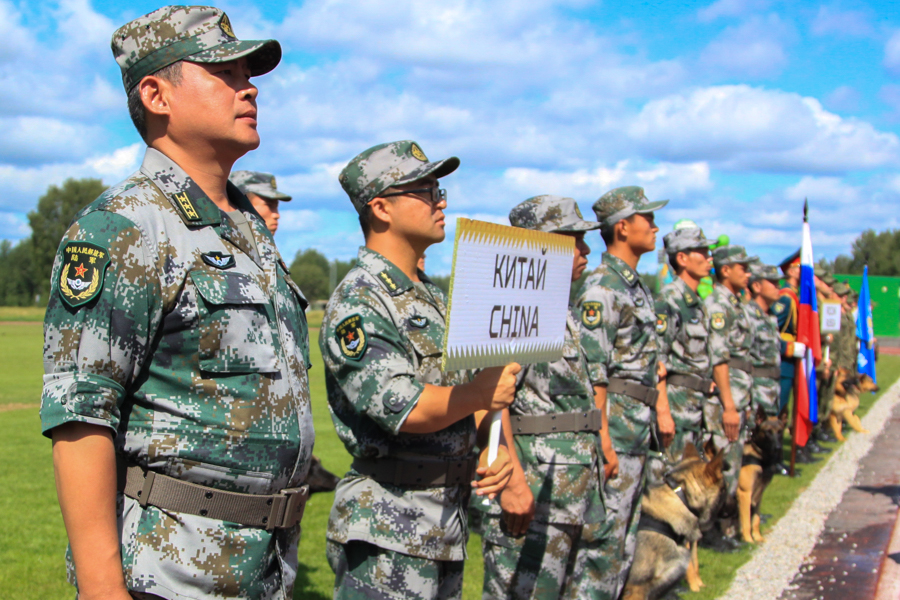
(683, 329)
(537, 549)
(176, 346)
(765, 349)
(615, 310)
(261, 190)
(847, 350)
(730, 338)
(825, 370)
(398, 525)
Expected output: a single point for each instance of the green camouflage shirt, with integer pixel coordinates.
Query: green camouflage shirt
(616, 314)
(189, 342)
(765, 346)
(849, 348)
(381, 341)
(683, 328)
(562, 469)
(730, 336)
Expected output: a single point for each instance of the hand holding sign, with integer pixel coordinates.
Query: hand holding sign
(509, 297)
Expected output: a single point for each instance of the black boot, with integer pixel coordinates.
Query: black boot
(805, 457)
(715, 540)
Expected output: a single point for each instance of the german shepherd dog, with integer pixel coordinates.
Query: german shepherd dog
(320, 479)
(846, 400)
(674, 514)
(761, 452)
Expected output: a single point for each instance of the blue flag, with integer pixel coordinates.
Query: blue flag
(865, 361)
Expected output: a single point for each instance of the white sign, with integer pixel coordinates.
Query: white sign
(831, 316)
(509, 296)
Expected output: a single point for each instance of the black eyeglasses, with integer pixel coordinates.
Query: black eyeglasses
(437, 194)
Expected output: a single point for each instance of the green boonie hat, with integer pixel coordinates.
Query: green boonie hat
(200, 34)
(686, 238)
(760, 271)
(731, 255)
(387, 165)
(621, 203)
(553, 214)
(824, 276)
(261, 184)
(841, 289)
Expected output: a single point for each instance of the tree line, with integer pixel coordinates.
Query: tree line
(25, 266)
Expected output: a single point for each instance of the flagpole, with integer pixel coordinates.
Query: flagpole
(798, 369)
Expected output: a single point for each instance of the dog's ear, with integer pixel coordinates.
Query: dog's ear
(709, 449)
(783, 417)
(690, 451)
(715, 466)
(761, 415)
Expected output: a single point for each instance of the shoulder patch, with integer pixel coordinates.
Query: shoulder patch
(590, 314)
(82, 273)
(389, 282)
(717, 321)
(778, 308)
(219, 260)
(351, 337)
(662, 323)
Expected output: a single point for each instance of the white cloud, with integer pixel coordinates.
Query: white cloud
(24, 185)
(33, 140)
(745, 128)
(892, 54)
(754, 49)
(831, 20)
(730, 8)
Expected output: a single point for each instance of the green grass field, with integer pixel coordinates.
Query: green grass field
(33, 539)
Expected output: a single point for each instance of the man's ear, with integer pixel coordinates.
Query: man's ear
(155, 95)
(381, 209)
(681, 259)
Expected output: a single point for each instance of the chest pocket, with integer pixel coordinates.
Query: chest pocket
(694, 336)
(571, 378)
(427, 347)
(235, 332)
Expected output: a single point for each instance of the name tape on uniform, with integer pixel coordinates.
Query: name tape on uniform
(509, 296)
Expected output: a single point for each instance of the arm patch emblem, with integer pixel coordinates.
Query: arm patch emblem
(590, 314)
(83, 269)
(717, 321)
(662, 323)
(778, 308)
(351, 337)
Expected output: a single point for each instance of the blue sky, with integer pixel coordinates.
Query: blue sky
(734, 110)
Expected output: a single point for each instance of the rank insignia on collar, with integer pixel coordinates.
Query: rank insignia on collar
(662, 323)
(590, 314)
(418, 321)
(778, 308)
(717, 321)
(83, 269)
(388, 281)
(186, 205)
(628, 275)
(218, 259)
(734, 301)
(351, 337)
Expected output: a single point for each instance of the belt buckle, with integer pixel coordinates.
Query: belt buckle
(288, 507)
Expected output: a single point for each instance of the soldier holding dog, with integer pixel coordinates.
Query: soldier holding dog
(616, 313)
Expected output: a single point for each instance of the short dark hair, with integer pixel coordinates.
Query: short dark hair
(365, 220)
(673, 262)
(608, 234)
(719, 274)
(172, 74)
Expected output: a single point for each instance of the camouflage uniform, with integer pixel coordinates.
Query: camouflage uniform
(730, 338)
(615, 310)
(765, 349)
(181, 332)
(564, 469)
(847, 349)
(786, 311)
(261, 184)
(683, 328)
(381, 341)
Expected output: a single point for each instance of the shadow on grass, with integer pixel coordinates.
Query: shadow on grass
(304, 588)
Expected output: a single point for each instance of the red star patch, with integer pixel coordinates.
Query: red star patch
(80, 270)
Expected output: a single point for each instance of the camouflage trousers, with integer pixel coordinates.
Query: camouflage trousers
(364, 571)
(686, 406)
(623, 510)
(741, 385)
(766, 393)
(734, 451)
(825, 387)
(552, 560)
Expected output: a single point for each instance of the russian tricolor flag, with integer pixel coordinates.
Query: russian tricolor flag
(807, 398)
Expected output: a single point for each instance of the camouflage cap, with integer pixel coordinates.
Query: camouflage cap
(731, 255)
(760, 271)
(387, 165)
(621, 203)
(823, 275)
(261, 184)
(200, 34)
(842, 289)
(686, 238)
(553, 214)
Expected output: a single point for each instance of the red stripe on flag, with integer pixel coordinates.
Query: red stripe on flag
(801, 391)
(808, 330)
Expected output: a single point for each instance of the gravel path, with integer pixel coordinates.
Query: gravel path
(775, 563)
